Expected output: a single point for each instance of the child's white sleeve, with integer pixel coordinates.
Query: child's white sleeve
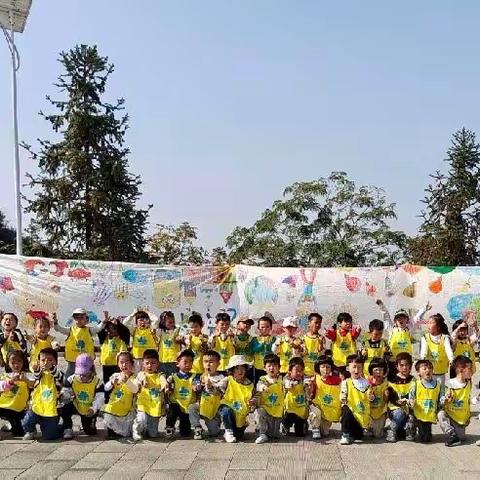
(58, 328)
(98, 401)
(423, 348)
(343, 392)
(128, 321)
(419, 316)
(448, 348)
(131, 385)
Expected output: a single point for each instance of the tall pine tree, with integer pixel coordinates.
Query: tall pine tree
(84, 202)
(449, 234)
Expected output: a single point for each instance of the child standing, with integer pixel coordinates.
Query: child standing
(262, 345)
(169, 344)
(207, 406)
(313, 343)
(270, 400)
(40, 340)
(119, 412)
(288, 346)
(462, 342)
(242, 339)
(150, 397)
(380, 393)
(424, 398)
(375, 346)
(11, 338)
(45, 395)
(182, 392)
(326, 396)
(197, 342)
(355, 397)
(222, 340)
(87, 393)
(237, 399)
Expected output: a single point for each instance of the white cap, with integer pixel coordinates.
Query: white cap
(237, 360)
(290, 322)
(79, 311)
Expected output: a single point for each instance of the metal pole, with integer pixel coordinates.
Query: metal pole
(18, 203)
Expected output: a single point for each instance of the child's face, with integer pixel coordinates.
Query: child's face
(425, 371)
(16, 364)
(184, 364)
(80, 320)
(223, 326)
(264, 328)
(46, 362)
(143, 322)
(404, 367)
(210, 364)
(195, 328)
(401, 321)
(376, 335)
(290, 331)
(462, 333)
(345, 325)
(325, 370)
(8, 322)
(297, 372)
(86, 377)
(378, 373)
(272, 369)
(239, 373)
(150, 365)
(112, 330)
(243, 327)
(41, 329)
(125, 364)
(169, 323)
(432, 326)
(466, 372)
(314, 325)
(355, 369)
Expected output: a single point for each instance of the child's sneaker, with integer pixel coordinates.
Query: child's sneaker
(229, 436)
(136, 436)
(68, 434)
(391, 436)
(316, 434)
(452, 441)
(198, 434)
(261, 439)
(29, 436)
(283, 430)
(346, 440)
(169, 432)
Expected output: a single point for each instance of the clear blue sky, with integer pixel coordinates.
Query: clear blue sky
(230, 101)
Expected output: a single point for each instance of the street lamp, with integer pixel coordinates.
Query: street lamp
(13, 16)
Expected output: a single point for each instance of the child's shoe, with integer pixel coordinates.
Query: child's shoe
(346, 440)
(169, 432)
(391, 436)
(452, 440)
(229, 436)
(68, 434)
(29, 436)
(316, 434)
(136, 436)
(283, 430)
(198, 434)
(261, 439)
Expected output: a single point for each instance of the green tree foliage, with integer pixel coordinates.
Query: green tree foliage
(84, 198)
(171, 245)
(327, 222)
(7, 236)
(449, 234)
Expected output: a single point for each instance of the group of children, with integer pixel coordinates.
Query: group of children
(152, 369)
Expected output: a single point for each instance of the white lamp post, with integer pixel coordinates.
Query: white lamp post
(13, 16)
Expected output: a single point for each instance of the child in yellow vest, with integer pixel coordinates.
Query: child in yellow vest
(270, 400)
(142, 326)
(355, 397)
(288, 345)
(182, 389)
(261, 346)
(169, 344)
(375, 346)
(343, 336)
(463, 342)
(150, 397)
(454, 415)
(11, 338)
(206, 407)
(79, 338)
(400, 384)
(39, 340)
(326, 396)
(313, 343)
(196, 341)
(119, 412)
(222, 341)
(424, 398)
(15, 392)
(378, 369)
(86, 392)
(237, 400)
(45, 398)
(242, 340)
(435, 346)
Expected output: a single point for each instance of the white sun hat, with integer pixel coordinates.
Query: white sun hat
(290, 322)
(237, 360)
(79, 311)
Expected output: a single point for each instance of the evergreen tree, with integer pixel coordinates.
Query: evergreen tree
(84, 202)
(7, 236)
(451, 219)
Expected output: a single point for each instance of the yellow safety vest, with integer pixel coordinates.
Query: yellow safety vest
(84, 394)
(16, 398)
(358, 403)
(79, 341)
(44, 396)
(402, 390)
(259, 356)
(196, 345)
(183, 393)
(109, 350)
(36, 347)
(120, 403)
(378, 406)
(296, 401)
(437, 355)
(327, 399)
(242, 346)
(372, 352)
(458, 408)
(312, 354)
(464, 348)
(285, 353)
(426, 400)
(342, 347)
(237, 397)
(150, 399)
(400, 341)
(9, 346)
(272, 398)
(225, 349)
(209, 404)
(143, 339)
(168, 348)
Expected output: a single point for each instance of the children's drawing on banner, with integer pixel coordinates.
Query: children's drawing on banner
(307, 302)
(167, 289)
